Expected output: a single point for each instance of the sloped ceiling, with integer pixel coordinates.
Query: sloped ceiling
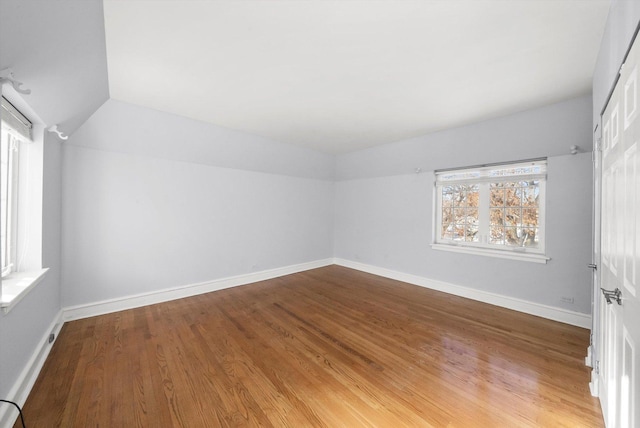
(338, 76)
(334, 76)
(57, 48)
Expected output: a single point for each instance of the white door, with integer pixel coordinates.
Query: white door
(619, 305)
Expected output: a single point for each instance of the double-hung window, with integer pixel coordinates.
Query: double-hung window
(495, 210)
(21, 156)
(15, 130)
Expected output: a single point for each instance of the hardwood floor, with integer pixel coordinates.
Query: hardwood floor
(330, 347)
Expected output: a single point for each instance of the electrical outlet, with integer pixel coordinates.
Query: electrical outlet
(566, 299)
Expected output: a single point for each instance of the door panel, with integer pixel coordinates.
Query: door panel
(631, 251)
(619, 382)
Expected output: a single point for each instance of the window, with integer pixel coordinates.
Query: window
(495, 210)
(21, 160)
(15, 129)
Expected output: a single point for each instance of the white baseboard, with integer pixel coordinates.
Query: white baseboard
(588, 360)
(22, 386)
(138, 300)
(594, 385)
(544, 311)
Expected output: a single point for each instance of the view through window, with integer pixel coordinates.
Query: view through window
(496, 206)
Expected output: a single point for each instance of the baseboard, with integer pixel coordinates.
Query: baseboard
(594, 385)
(28, 376)
(139, 300)
(544, 311)
(588, 360)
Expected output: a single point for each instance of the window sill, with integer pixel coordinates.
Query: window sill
(512, 255)
(17, 285)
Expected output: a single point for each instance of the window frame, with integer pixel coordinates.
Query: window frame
(27, 271)
(9, 249)
(478, 176)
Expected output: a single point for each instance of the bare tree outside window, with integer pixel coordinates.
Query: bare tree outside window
(498, 206)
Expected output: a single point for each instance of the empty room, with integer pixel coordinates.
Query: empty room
(320, 213)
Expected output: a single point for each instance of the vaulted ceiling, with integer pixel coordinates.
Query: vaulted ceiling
(334, 76)
(337, 76)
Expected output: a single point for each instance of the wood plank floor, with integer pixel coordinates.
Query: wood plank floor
(330, 347)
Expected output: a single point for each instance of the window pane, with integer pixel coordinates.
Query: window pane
(530, 237)
(496, 235)
(512, 195)
(513, 217)
(448, 232)
(447, 215)
(512, 236)
(458, 232)
(447, 196)
(497, 217)
(447, 218)
(530, 217)
(459, 196)
(460, 213)
(471, 233)
(496, 196)
(530, 195)
(473, 196)
(521, 236)
(472, 216)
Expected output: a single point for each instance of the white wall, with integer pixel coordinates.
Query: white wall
(23, 328)
(154, 201)
(386, 220)
(126, 128)
(547, 131)
(622, 22)
(57, 49)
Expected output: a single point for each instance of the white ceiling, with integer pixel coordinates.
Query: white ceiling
(338, 76)
(57, 49)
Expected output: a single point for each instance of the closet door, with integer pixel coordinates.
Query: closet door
(620, 240)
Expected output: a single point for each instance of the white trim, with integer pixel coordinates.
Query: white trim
(22, 387)
(17, 285)
(144, 299)
(588, 360)
(15, 120)
(594, 385)
(537, 309)
(503, 254)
